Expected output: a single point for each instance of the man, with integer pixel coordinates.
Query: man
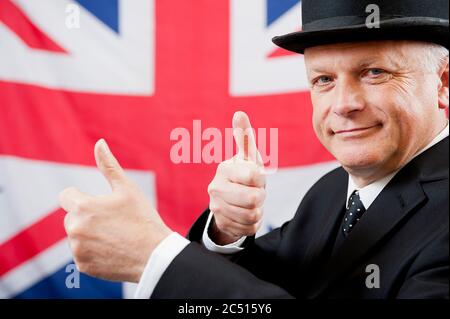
(377, 227)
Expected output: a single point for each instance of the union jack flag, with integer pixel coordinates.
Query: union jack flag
(132, 72)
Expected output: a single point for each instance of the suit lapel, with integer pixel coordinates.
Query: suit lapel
(394, 204)
(331, 216)
(383, 215)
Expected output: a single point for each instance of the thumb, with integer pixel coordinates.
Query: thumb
(108, 165)
(245, 138)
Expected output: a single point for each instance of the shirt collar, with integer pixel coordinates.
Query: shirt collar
(369, 193)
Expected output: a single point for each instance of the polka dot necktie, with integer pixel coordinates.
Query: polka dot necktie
(353, 213)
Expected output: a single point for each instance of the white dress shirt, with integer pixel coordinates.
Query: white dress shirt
(172, 245)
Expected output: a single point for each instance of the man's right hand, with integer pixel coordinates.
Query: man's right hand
(237, 192)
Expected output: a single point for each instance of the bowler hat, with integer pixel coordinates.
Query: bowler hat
(336, 21)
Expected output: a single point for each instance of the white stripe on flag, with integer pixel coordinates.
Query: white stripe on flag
(285, 190)
(30, 189)
(34, 270)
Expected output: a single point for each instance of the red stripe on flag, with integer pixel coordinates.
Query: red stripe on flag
(32, 241)
(280, 52)
(30, 34)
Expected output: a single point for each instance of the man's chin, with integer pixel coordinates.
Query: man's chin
(358, 160)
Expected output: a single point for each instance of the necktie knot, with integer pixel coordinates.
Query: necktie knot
(355, 209)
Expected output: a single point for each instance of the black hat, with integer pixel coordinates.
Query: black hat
(336, 21)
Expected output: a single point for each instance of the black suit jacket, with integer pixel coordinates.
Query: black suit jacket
(404, 232)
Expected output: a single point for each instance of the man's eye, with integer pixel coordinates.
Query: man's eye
(375, 72)
(322, 80)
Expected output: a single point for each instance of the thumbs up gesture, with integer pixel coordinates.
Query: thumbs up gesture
(111, 236)
(237, 192)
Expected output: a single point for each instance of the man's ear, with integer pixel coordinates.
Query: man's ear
(443, 86)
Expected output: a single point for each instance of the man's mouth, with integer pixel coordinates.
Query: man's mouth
(356, 131)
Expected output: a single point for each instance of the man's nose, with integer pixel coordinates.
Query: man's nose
(348, 97)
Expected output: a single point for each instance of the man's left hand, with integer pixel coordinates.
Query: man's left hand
(112, 236)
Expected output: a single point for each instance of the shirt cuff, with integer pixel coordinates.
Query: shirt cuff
(226, 249)
(158, 262)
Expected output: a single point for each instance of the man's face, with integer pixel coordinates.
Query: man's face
(375, 103)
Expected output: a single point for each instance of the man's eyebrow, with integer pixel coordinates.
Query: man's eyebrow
(366, 62)
(370, 61)
(319, 69)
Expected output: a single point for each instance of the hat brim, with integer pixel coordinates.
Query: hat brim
(418, 29)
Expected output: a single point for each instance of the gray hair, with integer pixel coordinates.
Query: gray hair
(437, 56)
